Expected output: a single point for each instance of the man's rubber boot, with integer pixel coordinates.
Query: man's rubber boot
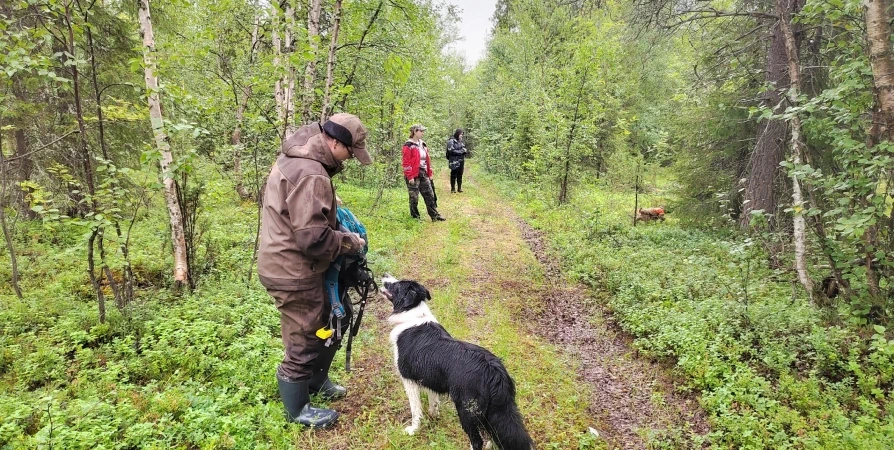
(296, 399)
(320, 383)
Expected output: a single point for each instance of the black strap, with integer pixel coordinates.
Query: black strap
(363, 290)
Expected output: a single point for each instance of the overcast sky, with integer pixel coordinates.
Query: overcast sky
(474, 26)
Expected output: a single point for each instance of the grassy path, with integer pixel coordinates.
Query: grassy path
(489, 287)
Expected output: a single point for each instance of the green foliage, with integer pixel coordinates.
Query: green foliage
(555, 101)
(770, 372)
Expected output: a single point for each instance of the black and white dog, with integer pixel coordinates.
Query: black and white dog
(429, 359)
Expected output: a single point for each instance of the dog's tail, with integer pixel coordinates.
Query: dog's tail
(507, 429)
(504, 422)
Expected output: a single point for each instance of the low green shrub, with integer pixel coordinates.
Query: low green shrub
(770, 370)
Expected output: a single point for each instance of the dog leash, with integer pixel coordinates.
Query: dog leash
(363, 291)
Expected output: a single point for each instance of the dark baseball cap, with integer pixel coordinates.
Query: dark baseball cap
(349, 130)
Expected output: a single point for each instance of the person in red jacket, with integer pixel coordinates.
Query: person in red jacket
(417, 173)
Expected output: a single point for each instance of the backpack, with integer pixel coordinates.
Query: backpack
(345, 273)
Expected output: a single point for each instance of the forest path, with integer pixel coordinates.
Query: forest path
(493, 283)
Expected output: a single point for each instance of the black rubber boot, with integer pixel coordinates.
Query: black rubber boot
(296, 399)
(320, 383)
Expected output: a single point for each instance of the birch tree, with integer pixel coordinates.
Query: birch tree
(162, 143)
(797, 147)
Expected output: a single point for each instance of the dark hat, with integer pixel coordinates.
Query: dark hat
(347, 129)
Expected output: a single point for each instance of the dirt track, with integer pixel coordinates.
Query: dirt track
(634, 398)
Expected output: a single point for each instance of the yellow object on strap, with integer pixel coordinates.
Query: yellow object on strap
(324, 333)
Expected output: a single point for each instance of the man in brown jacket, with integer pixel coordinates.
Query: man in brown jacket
(299, 238)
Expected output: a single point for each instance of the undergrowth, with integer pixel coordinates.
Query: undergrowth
(771, 370)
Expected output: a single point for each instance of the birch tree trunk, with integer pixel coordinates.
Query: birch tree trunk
(878, 32)
(178, 240)
(330, 65)
(310, 70)
(797, 147)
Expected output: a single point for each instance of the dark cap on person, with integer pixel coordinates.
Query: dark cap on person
(347, 129)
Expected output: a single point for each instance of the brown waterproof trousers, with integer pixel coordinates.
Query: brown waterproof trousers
(301, 314)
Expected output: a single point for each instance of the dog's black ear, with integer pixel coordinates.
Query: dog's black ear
(406, 296)
(421, 291)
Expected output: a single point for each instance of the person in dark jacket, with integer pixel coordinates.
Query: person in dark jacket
(299, 238)
(456, 160)
(418, 173)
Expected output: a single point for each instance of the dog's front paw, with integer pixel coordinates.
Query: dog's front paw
(411, 430)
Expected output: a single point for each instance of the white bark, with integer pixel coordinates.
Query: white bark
(163, 145)
(799, 234)
(878, 32)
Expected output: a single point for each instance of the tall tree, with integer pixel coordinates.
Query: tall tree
(7, 233)
(797, 146)
(236, 138)
(761, 189)
(878, 32)
(310, 70)
(330, 65)
(163, 145)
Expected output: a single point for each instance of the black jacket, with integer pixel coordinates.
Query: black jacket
(456, 150)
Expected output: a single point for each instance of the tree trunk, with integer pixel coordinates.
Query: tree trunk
(878, 32)
(240, 114)
(310, 70)
(278, 93)
(86, 158)
(769, 150)
(7, 234)
(96, 91)
(161, 142)
(113, 284)
(331, 61)
(366, 30)
(794, 73)
(289, 95)
(636, 195)
(91, 271)
(121, 299)
(23, 165)
(563, 191)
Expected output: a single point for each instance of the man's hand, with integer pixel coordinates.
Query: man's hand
(355, 245)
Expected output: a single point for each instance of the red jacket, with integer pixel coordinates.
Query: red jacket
(411, 160)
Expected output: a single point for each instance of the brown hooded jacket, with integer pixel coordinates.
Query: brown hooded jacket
(299, 236)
